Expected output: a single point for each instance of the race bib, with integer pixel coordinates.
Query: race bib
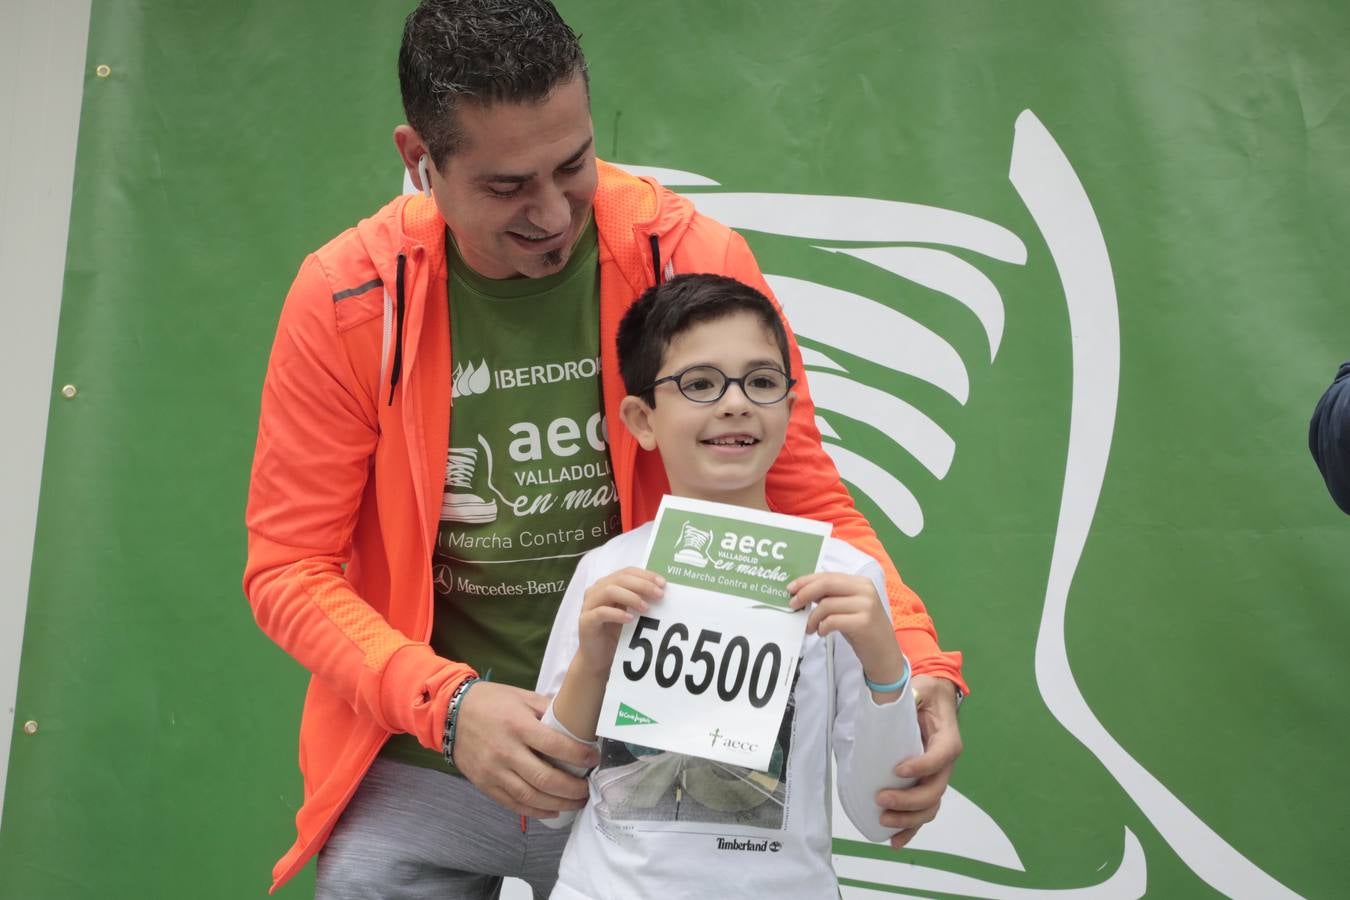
(707, 671)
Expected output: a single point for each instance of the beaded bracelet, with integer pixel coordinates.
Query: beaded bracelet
(452, 719)
(889, 688)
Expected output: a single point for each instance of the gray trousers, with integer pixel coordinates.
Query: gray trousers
(418, 834)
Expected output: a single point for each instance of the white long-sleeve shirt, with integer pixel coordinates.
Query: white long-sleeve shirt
(666, 825)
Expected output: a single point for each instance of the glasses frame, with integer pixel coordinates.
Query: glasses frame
(727, 382)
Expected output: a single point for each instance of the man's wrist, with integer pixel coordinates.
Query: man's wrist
(934, 688)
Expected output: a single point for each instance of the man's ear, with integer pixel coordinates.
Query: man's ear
(637, 416)
(411, 149)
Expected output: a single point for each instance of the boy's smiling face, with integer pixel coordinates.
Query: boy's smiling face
(721, 450)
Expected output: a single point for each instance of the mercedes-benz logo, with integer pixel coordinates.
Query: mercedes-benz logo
(441, 578)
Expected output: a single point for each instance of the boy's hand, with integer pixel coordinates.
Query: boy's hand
(607, 605)
(849, 605)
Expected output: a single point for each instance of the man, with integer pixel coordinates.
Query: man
(1329, 437)
(395, 550)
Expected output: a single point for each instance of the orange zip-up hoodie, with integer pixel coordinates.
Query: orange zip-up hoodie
(348, 472)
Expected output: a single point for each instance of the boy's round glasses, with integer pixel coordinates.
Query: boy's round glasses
(706, 384)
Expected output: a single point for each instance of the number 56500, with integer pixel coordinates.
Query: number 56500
(729, 671)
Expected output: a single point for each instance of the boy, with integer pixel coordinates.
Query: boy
(704, 359)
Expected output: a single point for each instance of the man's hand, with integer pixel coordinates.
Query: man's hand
(909, 809)
(498, 740)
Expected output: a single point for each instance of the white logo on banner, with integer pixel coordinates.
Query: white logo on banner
(906, 239)
(862, 327)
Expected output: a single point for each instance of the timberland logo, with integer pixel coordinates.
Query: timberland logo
(747, 846)
(629, 716)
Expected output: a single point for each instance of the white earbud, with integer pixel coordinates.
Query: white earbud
(426, 179)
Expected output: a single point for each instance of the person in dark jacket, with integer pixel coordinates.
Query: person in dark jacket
(1329, 437)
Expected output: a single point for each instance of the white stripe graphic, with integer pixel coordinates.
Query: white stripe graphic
(1057, 202)
(919, 435)
(1128, 882)
(863, 219)
(944, 272)
(894, 498)
(819, 360)
(669, 177)
(865, 328)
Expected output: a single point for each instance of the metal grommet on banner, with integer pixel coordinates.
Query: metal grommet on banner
(30, 727)
(103, 71)
(69, 391)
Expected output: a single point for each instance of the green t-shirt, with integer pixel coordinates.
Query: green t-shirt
(528, 486)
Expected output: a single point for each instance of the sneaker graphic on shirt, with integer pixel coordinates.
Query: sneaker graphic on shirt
(459, 503)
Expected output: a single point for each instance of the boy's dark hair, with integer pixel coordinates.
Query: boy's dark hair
(668, 310)
(482, 51)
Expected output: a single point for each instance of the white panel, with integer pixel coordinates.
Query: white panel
(42, 49)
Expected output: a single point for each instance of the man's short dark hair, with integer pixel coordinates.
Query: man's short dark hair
(668, 310)
(480, 51)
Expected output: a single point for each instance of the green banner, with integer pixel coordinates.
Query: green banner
(1067, 277)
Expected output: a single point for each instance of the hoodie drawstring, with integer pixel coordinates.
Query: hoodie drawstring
(397, 368)
(656, 259)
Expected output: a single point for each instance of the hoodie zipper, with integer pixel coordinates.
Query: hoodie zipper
(397, 370)
(656, 258)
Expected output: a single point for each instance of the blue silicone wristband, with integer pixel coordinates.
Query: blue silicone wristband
(889, 688)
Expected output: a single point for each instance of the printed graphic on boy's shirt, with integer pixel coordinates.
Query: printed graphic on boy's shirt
(642, 784)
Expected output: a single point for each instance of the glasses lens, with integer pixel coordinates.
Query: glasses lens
(765, 385)
(703, 384)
